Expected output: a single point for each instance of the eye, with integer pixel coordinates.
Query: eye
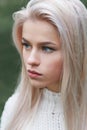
(47, 49)
(26, 45)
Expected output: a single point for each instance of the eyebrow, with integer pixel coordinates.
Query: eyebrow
(40, 43)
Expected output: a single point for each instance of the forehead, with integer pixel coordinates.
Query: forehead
(39, 24)
(39, 30)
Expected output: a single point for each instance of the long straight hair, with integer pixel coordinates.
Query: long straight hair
(70, 19)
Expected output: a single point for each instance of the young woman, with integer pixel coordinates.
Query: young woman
(51, 38)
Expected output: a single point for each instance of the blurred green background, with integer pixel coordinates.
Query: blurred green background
(9, 58)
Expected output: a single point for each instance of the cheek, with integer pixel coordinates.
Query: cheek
(55, 67)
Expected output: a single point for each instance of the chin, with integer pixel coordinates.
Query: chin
(37, 84)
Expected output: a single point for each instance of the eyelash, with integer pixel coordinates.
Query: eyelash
(46, 49)
(25, 45)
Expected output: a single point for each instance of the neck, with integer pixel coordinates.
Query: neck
(54, 89)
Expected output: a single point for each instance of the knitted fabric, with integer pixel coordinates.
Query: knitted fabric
(49, 115)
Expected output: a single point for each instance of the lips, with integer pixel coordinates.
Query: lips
(33, 74)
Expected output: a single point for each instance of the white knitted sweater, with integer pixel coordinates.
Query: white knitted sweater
(48, 117)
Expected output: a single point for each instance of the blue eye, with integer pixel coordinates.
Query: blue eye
(47, 49)
(27, 46)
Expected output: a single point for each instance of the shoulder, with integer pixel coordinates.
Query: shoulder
(8, 110)
(10, 103)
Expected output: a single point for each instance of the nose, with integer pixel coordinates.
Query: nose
(34, 58)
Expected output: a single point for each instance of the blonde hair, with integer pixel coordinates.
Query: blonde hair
(70, 18)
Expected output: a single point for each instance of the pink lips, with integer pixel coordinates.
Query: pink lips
(33, 74)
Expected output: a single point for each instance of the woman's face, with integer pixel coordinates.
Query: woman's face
(42, 54)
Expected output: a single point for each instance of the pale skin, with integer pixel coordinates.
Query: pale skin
(42, 54)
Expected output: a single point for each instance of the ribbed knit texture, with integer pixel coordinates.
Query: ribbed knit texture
(49, 115)
(50, 112)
